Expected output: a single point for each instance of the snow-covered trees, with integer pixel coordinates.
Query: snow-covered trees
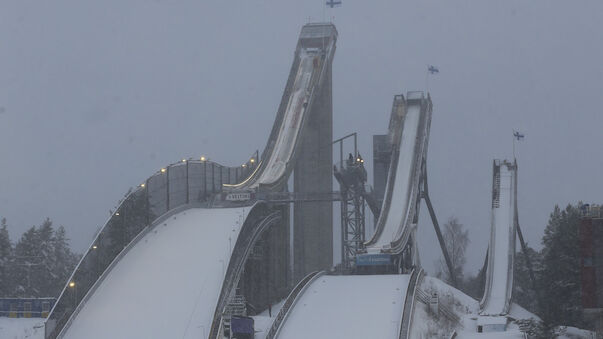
(557, 297)
(524, 293)
(38, 265)
(6, 249)
(560, 278)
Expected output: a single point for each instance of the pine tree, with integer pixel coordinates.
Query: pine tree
(43, 261)
(64, 260)
(43, 275)
(524, 293)
(26, 260)
(560, 278)
(6, 251)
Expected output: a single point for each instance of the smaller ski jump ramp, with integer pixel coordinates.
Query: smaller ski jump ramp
(501, 250)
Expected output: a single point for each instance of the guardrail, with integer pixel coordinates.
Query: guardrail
(409, 302)
(185, 183)
(443, 309)
(255, 224)
(291, 301)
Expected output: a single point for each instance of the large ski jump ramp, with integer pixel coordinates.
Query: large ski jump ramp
(361, 306)
(306, 77)
(168, 284)
(501, 250)
(292, 123)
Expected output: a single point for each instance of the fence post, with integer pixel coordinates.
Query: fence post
(147, 203)
(221, 179)
(205, 179)
(167, 187)
(213, 178)
(187, 200)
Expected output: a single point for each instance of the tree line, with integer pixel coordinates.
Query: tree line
(555, 292)
(38, 264)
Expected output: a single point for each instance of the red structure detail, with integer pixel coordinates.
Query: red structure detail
(589, 282)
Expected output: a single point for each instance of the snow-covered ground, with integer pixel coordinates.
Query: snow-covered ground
(501, 248)
(21, 328)
(168, 284)
(402, 181)
(263, 321)
(426, 325)
(364, 306)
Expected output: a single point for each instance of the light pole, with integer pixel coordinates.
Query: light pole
(74, 287)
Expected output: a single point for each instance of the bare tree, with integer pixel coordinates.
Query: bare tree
(456, 240)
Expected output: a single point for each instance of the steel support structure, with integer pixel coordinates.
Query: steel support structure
(352, 225)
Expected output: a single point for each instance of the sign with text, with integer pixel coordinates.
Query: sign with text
(373, 259)
(239, 196)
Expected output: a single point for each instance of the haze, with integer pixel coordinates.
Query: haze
(95, 97)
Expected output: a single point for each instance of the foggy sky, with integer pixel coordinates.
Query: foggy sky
(95, 97)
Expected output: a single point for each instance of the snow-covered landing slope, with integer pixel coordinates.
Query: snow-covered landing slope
(499, 278)
(365, 306)
(464, 308)
(21, 328)
(168, 284)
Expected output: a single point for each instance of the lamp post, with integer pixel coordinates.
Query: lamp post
(73, 286)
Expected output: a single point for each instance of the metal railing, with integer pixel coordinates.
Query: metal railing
(411, 293)
(256, 223)
(291, 301)
(442, 309)
(184, 183)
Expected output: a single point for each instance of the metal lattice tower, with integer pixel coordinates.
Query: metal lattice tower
(351, 176)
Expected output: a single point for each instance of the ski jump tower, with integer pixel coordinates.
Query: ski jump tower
(313, 172)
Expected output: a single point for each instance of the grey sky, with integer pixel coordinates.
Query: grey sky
(96, 96)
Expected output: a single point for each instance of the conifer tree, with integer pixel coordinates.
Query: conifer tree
(560, 278)
(65, 260)
(43, 262)
(26, 259)
(524, 293)
(6, 251)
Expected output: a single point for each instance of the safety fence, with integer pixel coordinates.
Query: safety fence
(187, 182)
(444, 310)
(259, 220)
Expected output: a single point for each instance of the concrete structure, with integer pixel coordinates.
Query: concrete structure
(313, 230)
